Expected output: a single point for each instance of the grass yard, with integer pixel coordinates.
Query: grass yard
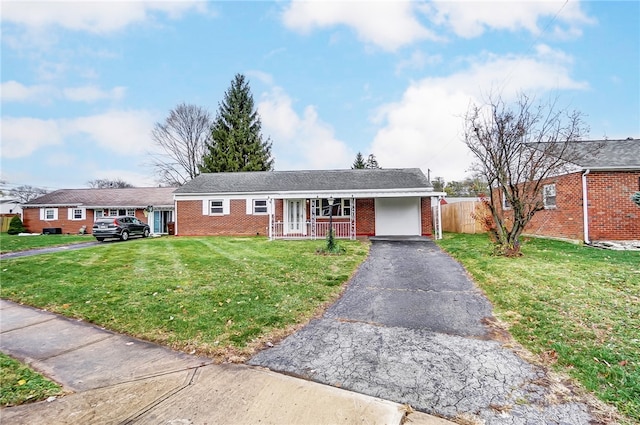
(221, 297)
(19, 384)
(11, 243)
(577, 307)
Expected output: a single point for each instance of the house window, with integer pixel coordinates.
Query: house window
(113, 212)
(98, 214)
(50, 214)
(341, 208)
(549, 195)
(77, 214)
(506, 205)
(259, 206)
(131, 212)
(216, 206)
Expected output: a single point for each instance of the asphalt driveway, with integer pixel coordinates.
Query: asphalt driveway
(411, 327)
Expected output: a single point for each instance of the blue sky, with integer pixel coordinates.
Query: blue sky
(84, 82)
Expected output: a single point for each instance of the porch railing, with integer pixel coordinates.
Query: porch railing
(342, 230)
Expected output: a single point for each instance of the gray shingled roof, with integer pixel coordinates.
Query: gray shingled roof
(612, 154)
(607, 154)
(309, 180)
(131, 197)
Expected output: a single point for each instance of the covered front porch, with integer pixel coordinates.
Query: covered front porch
(312, 218)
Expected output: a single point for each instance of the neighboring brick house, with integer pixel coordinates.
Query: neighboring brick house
(300, 204)
(68, 210)
(607, 180)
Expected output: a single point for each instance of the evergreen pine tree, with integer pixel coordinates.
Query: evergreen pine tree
(359, 163)
(16, 226)
(236, 142)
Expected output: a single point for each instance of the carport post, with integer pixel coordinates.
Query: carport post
(439, 229)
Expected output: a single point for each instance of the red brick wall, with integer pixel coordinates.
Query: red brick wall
(237, 223)
(365, 217)
(31, 220)
(564, 221)
(191, 222)
(612, 214)
(427, 217)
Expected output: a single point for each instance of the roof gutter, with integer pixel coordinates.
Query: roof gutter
(585, 207)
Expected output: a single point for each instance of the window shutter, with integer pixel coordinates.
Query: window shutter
(205, 207)
(249, 205)
(42, 214)
(55, 213)
(70, 213)
(226, 206)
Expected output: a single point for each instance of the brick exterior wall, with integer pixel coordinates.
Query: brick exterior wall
(31, 220)
(612, 214)
(427, 216)
(191, 221)
(365, 217)
(564, 221)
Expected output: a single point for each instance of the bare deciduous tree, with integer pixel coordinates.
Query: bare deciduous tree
(26, 193)
(181, 139)
(108, 184)
(517, 147)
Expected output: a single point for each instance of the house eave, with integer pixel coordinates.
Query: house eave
(615, 168)
(382, 193)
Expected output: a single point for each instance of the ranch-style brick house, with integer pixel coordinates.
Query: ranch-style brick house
(300, 204)
(593, 203)
(68, 210)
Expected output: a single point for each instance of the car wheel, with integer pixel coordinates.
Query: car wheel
(125, 235)
(100, 239)
(145, 234)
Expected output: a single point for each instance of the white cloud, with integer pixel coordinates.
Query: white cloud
(300, 142)
(472, 18)
(423, 129)
(123, 132)
(23, 136)
(387, 24)
(99, 17)
(92, 94)
(13, 91)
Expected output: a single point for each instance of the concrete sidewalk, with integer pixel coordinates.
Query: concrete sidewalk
(118, 379)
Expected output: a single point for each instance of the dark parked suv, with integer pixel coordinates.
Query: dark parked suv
(119, 227)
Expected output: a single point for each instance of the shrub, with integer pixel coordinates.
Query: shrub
(16, 226)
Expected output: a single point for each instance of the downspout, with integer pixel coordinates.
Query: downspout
(175, 217)
(585, 207)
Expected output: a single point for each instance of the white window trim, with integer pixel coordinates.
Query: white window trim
(71, 215)
(43, 214)
(206, 206)
(545, 197)
(504, 201)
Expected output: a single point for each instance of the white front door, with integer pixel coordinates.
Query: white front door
(296, 217)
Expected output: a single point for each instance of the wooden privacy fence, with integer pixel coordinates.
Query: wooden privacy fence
(4, 222)
(458, 217)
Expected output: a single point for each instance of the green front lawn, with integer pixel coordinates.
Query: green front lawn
(12, 243)
(211, 295)
(19, 384)
(577, 307)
